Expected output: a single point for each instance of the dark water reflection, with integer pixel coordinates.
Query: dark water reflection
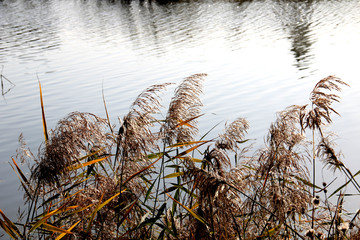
(261, 56)
(296, 18)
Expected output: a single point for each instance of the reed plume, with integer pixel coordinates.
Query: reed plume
(234, 134)
(135, 138)
(281, 167)
(327, 153)
(218, 203)
(76, 135)
(184, 107)
(321, 100)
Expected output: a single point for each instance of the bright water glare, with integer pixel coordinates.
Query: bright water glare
(261, 56)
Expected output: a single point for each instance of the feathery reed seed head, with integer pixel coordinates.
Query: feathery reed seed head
(184, 108)
(234, 133)
(74, 136)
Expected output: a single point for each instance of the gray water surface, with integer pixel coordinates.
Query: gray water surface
(261, 56)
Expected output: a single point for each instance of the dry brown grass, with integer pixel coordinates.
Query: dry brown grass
(153, 180)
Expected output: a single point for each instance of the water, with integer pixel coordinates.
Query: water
(261, 56)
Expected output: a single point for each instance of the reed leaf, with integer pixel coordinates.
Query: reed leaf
(63, 208)
(186, 122)
(185, 144)
(73, 213)
(190, 149)
(100, 206)
(64, 192)
(270, 232)
(90, 155)
(189, 210)
(106, 111)
(142, 170)
(81, 165)
(70, 228)
(128, 210)
(10, 225)
(345, 184)
(23, 180)
(21, 173)
(54, 229)
(175, 174)
(92, 216)
(8, 230)
(43, 114)
(148, 192)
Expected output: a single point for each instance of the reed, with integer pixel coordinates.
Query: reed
(159, 179)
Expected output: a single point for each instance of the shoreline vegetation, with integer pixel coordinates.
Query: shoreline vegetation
(153, 178)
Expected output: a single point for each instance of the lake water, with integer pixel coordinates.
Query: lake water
(261, 56)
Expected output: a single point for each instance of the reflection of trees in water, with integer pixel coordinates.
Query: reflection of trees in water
(147, 27)
(296, 19)
(160, 28)
(26, 30)
(167, 27)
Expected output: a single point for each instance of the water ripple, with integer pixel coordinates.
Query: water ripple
(261, 56)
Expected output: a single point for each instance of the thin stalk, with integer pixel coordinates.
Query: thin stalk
(335, 216)
(313, 195)
(351, 177)
(34, 198)
(237, 226)
(260, 205)
(158, 177)
(106, 111)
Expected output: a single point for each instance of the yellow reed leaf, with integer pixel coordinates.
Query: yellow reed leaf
(70, 228)
(81, 165)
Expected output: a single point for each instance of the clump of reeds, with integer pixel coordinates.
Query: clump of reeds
(153, 179)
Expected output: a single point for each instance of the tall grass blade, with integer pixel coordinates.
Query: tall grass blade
(21, 173)
(43, 114)
(186, 144)
(190, 149)
(148, 192)
(81, 165)
(92, 216)
(70, 228)
(65, 191)
(344, 185)
(106, 111)
(186, 122)
(54, 229)
(189, 210)
(127, 212)
(10, 225)
(66, 198)
(175, 174)
(50, 214)
(7, 230)
(142, 170)
(100, 206)
(23, 180)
